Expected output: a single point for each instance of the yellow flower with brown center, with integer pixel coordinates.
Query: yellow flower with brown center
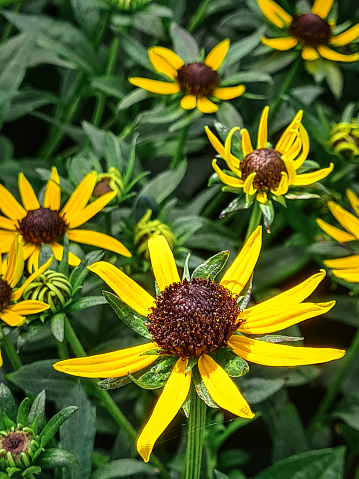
(345, 268)
(198, 80)
(309, 30)
(13, 311)
(192, 319)
(263, 170)
(48, 223)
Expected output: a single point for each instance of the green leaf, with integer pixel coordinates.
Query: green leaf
(132, 98)
(230, 362)
(186, 273)
(212, 266)
(184, 44)
(58, 326)
(320, 464)
(278, 338)
(256, 390)
(347, 410)
(229, 116)
(124, 468)
(113, 383)
(201, 389)
(268, 214)
(26, 101)
(7, 403)
(136, 51)
(110, 85)
(84, 303)
(38, 409)
(23, 412)
(30, 471)
(160, 115)
(245, 296)
(58, 458)
(240, 203)
(157, 375)
(54, 424)
(128, 315)
(164, 184)
(247, 77)
(241, 48)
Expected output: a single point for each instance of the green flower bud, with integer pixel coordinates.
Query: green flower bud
(17, 447)
(107, 182)
(129, 5)
(344, 138)
(52, 288)
(146, 228)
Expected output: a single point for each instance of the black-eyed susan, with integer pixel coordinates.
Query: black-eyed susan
(345, 268)
(13, 310)
(311, 31)
(264, 170)
(192, 319)
(48, 223)
(198, 81)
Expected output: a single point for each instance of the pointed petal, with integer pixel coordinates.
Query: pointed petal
(6, 239)
(238, 274)
(217, 145)
(109, 365)
(28, 196)
(206, 106)
(246, 142)
(33, 260)
(341, 263)
(28, 249)
(18, 293)
(168, 404)
(336, 233)
(305, 148)
(58, 251)
(346, 219)
(289, 134)
(158, 57)
(11, 318)
(346, 37)
(188, 102)
(29, 307)
(168, 55)
(330, 54)
(248, 184)
(229, 92)
(282, 43)
(282, 188)
(15, 262)
(127, 290)
(227, 179)
(221, 388)
(309, 53)
(227, 144)
(79, 198)
(262, 197)
(354, 200)
(91, 210)
(262, 130)
(100, 240)
(322, 7)
(290, 170)
(163, 263)
(155, 86)
(215, 57)
(275, 13)
(53, 192)
(351, 275)
(310, 178)
(7, 224)
(271, 354)
(279, 319)
(10, 206)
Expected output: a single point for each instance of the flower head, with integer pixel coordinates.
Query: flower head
(194, 318)
(146, 228)
(198, 80)
(345, 268)
(311, 31)
(128, 5)
(108, 182)
(48, 223)
(344, 138)
(263, 171)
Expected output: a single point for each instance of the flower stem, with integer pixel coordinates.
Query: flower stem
(333, 389)
(196, 425)
(255, 220)
(106, 400)
(198, 15)
(11, 353)
(177, 157)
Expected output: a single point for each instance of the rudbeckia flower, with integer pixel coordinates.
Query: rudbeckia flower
(263, 170)
(345, 268)
(311, 31)
(198, 80)
(48, 223)
(344, 137)
(13, 311)
(192, 319)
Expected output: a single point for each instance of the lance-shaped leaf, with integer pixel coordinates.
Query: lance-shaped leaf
(212, 266)
(54, 424)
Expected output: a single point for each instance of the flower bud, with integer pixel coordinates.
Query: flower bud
(146, 228)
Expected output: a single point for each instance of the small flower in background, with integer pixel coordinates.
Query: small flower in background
(47, 224)
(108, 182)
(23, 440)
(146, 229)
(198, 81)
(128, 5)
(344, 138)
(193, 319)
(344, 268)
(311, 31)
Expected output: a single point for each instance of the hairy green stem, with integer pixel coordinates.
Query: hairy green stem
(198, 15)
(11, 353)
(178, 154)
(255, 220)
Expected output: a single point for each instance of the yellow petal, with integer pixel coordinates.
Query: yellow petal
(11, 208)
(215, 57)
(79, 198)
(289, 135)
(346, 219)
(336, 233)
(100, 240)
(354, 200)
(91, 210)
(227, 144)
(28, 249)
(52, 197)
(27, 194)
(109, 365)
(281, 318)
(168, 404)
(1, 359)
(128, 291)
(155, 86)
(15, 262)
(246, 142)
(290, 170)
(281, 43)
(18, 293)
(29, 307)
(275, 13)
(58, 251)
(262, 130)
(205, 105)
(271, 354)
(309, 53)
(11, 318)
(330, 54)
(262, 197)
(238, 274)
(163, 263)
(322, 7)
(222, 389)
(170, 56)
(7, 224)
(229, 92)
(341, 263)
(248, 184)
(282, 188)
(33, 260)
(158, 57)
(305, 148)
(188, 102)
(217, 145)
(350, 275)
(310, 178)
(346, 37)
(227, 179)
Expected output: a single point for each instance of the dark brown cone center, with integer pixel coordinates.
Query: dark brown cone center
(193, 317)
(102, 187)
(5, 293)
(16, 442)
(268, 166)
(310, 29)
(197, 79)
(42, 226)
